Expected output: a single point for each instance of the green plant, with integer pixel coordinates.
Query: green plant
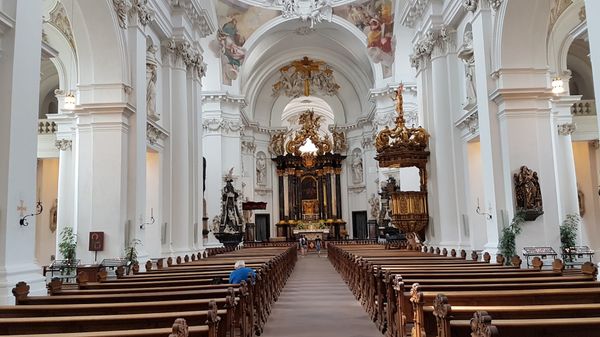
(568, 232)
(508, 244)
(131, 252)
(68, 244)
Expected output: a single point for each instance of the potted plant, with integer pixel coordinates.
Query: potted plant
(568, 235)
(67, 247)
(508, 243)
(131, 254)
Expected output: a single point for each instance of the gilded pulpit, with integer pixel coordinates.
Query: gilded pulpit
(403, 147)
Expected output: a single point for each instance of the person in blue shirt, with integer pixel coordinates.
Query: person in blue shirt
(241, 273)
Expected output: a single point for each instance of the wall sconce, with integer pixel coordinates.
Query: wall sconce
(69, 102)
(488, 215)
(558, 86)
(38, 208)
(151, 222)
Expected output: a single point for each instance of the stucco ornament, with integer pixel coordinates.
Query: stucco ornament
(311, 11)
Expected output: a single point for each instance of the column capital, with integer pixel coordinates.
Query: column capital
(63, 144)
(436, 42)
(566, 129)
(133, 12)
(474, 5)
(179, 53)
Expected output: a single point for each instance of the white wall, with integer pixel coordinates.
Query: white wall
(587, 180)
(47, 191)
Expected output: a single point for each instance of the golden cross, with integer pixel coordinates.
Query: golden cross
(22, 208)
(305, 67)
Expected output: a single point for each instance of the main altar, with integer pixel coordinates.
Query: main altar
(309, 165)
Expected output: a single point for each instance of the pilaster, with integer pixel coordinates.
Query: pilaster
(593, 29)
(491, 157)
(101, 151)
(19, 92)
(222, 139)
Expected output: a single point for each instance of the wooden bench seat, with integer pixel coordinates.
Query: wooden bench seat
(23, 325)
(195, 331)
(51, 310)
(550, 327)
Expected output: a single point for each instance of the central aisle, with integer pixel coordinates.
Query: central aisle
(317, 302)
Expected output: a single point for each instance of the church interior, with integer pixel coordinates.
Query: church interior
(395, 156)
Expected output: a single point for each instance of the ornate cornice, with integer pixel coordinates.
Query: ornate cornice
(224, 97)
(470, 122)
(63, 144)
(199, 17)
(218, 124)
(413, 12)
(390, 90)
(566, 129)
(155, 133)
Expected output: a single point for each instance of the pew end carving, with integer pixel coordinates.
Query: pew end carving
(589, 268)
(180, 328)
(20, 291)
(481, 325)
(537, 263)
(55, 286)
(441, 312)
(516, 261)
(82, 278)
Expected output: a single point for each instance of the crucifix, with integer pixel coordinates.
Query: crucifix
(22, 208)
(305, 68)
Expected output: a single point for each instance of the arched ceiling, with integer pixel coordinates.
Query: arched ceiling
(338, 43)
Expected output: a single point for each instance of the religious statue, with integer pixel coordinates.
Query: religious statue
(528, 192)
(216, 223)
(276, 147)
(375, 208)
(151, 78)
(339, 141)
(261, 169)
(231, 218)
(467, 55)
(357, 167)
(53, 216)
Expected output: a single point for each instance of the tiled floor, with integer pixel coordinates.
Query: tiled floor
(316, 302)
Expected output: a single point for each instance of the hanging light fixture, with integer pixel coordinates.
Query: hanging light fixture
(558, 86)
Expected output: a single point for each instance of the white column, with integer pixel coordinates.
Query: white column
(19, 92)
(442, 173)
(66, 169)
(593, 27)
(136, 174)
(488, 129)
(566, 177)
(180, 153)
(195, 113)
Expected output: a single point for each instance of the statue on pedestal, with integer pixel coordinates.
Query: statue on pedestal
(231, 218)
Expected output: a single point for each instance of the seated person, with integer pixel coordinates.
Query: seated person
(241, 273)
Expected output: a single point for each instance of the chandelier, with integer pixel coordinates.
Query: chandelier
(313, 11)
